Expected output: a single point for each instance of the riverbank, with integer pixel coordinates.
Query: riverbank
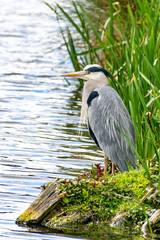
(93, 201)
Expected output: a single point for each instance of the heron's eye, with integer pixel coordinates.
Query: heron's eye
(87, 72)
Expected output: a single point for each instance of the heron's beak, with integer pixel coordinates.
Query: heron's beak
(79, 74)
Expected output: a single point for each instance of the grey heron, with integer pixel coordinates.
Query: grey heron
(107, 117)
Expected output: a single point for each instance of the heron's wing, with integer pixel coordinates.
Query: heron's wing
(106, 114)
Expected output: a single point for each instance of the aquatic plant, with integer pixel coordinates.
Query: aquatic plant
(128, 45)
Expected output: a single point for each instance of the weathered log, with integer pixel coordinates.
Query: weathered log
(47, 211)
(43, 204)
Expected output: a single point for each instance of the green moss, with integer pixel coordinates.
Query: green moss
(25, 217)
(106, 196)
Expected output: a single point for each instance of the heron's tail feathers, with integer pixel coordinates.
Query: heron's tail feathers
(122, 161)
(123, 166)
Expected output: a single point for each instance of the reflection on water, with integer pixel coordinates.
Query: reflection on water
(39, 111)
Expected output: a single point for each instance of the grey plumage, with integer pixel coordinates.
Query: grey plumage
(107, 116)
(108, 110)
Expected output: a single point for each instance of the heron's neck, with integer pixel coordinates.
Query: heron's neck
(89, 86)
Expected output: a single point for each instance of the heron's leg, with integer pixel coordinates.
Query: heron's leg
(113, 166)
(105, 163)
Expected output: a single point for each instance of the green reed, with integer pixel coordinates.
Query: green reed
(128, 45)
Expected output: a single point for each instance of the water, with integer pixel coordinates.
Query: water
(39, 112)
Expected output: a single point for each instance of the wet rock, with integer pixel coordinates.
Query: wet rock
(154, 222)
(119, 220)
(65, 220)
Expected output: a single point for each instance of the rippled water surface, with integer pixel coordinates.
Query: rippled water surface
(39, 111)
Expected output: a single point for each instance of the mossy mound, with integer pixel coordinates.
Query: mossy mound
(105, 196)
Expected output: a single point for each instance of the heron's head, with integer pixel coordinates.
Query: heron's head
(91, 72)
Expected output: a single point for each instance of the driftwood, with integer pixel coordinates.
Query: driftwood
(43, 204)
(47, 211)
